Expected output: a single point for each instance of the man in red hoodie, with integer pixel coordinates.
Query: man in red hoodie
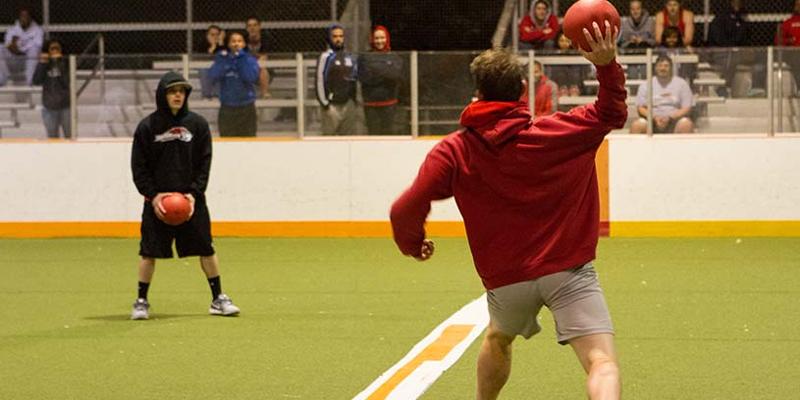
(527, 191)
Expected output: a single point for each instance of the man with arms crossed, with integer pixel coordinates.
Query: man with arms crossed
(527, 191)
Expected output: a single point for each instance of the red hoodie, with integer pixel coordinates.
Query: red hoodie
(533, 34)
(527, 189)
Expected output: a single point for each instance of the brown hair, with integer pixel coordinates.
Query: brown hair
(498, 75)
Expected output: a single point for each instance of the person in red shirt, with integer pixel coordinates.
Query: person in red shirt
(676, 16)
(789, 36)
(527, 191)
(540, 27)
(789, 30)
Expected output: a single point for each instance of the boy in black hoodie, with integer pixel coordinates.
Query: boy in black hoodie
(172, 153)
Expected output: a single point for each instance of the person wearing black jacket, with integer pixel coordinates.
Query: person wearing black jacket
(730, 29)
(379, 72)
(52, 74)
(172, 154)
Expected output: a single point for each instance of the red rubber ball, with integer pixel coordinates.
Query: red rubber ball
(177, 209)
(582, 14)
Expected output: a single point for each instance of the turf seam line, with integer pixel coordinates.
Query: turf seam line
(428, 359)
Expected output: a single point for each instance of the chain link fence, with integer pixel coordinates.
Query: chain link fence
(763, 16)
(156, 26)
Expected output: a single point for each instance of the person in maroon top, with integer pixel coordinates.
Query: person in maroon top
(527, 191)
(539, 28)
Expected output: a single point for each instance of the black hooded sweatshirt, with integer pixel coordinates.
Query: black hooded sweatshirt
(171, 153)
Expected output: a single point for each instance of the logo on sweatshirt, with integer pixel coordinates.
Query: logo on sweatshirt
(176, 133)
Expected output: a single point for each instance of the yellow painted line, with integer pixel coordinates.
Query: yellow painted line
(380, 229)
(601, 166)
(68, 229)
(436, 351)
(704, 228)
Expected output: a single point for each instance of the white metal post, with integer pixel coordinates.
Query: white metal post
(46, 17)
(781, 52)
(771, 89)
(531, 83)
(301, 95)
(73, 95)
(649, 68)
(707, 12)
(185, 64)
(101, 49)
(333, 11)
(414, 94)
(515, 30)
(189, 23)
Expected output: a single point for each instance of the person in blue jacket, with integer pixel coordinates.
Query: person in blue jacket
(238, 73)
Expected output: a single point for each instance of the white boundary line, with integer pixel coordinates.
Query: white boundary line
(417, 382)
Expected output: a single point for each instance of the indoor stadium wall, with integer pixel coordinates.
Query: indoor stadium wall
(662, 186)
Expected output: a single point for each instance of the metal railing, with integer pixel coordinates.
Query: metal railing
(434, 88)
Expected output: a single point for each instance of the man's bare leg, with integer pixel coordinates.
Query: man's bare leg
(147, 266)
(598, 358)
(210, 265)
(494, 363)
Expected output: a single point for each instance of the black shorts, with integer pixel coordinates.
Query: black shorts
(192, 238)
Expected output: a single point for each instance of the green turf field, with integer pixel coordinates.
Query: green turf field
(322, 318)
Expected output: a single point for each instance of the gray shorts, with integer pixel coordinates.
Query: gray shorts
(574, 297)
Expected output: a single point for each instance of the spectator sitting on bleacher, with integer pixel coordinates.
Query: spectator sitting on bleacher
(23, 42)
(672, 102)
(52, 74)
(676, 16)
(380, 72)
(237, 72)
(569, 78)
(546, 92)
(258, 49)
(336, 85)
(636, 30)
(214, 43)
(539, 28)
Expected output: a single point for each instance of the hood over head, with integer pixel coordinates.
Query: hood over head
(167, 81)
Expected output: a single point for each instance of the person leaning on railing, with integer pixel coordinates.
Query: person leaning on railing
(538, 29)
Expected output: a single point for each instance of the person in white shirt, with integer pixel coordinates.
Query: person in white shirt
(20, 52)
(672, 102)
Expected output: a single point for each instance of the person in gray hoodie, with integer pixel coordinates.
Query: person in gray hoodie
(637, 30)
